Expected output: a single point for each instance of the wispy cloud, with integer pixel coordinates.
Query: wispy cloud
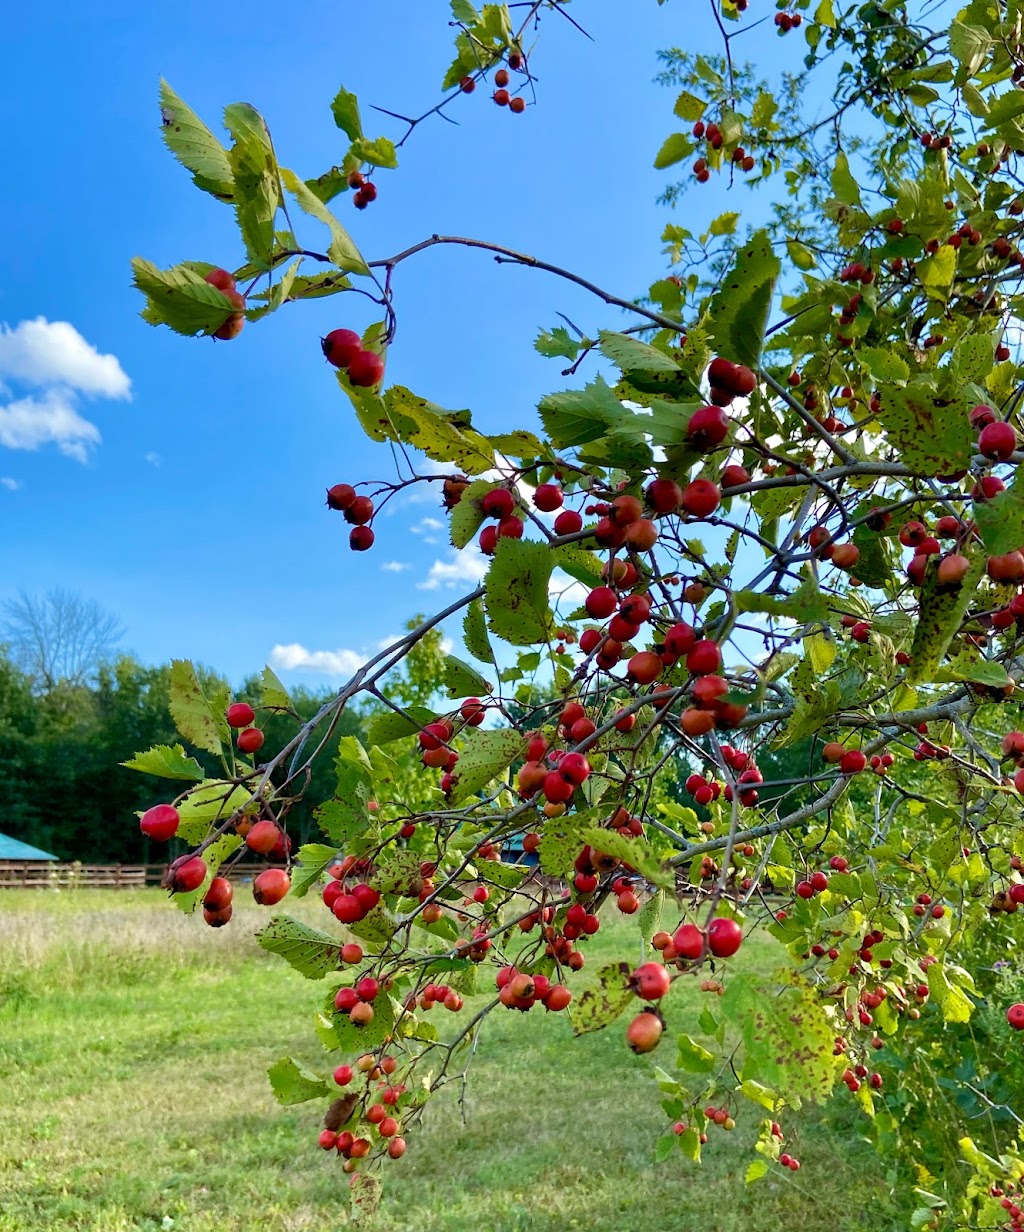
(294, 657)
(461, 567)
(152, 458)
(395, 566)
(12, 485)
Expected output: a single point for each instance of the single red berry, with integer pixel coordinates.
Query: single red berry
(501, 97)
(361, 538)
(360, 511)
(341, 346)
(517, 105)
(249, 740)
(240, 714)
(160, 823)
(271, 886)
(548, 497)
(340, 496)
(568, 522)
(366, 368)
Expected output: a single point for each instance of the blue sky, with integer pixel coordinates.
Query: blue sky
(183, 484)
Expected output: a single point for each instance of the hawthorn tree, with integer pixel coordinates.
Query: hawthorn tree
(793, 515)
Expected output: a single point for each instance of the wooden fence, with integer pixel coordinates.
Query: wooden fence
(50, 875)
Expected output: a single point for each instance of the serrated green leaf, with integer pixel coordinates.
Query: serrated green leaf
(757, 1168)
(345, 109)
(180, 298)
(739, 309)
(209, 803)
(759, 1094)
(955, 1004)
(630, 354)
(191, 711)
(194, 145)
(931, 433)
(674, 149)
(692, 1057)
(1000, 521)
(310, 863)
(461, 680)
(389, 725)
(273, 694)
(552, 343)
(936, 273)
(380, 152)
(257, 196)
(342, 251)
(844, 185)
(474, 632)
(579, 416)
(168, 762)
(292, 1083)
(444, 436)
(941, 614)
(689, 107)
(602, 1002)
(884, 365)
(516, 601)
(312, 953)
(484, 756)
(347, 815)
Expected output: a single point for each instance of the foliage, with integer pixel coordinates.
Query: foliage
(841, 360)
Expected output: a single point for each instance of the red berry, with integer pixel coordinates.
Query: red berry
(501, 98)
(361, 538)
(187, 873)
(271, 886)
(340, 496)
(568, 522)
(221, 279)
(701, 498)
(366, 368)
(359, 511)
(341, 346)
(160, 823)
(240, 714)
(250, 740)
(997, 441)
(548, 497)
(498, 503)
(1015, 1016)
(704, 659)
(724, 937)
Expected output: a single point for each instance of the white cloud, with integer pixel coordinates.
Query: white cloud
(52, 356)
(295, 657)
(467, 566)
(395, 566)
(29, 423)
(12, 485)
(565, 592)
(44, 353)
(152, 458)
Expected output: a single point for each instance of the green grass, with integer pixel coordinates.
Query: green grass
(133, 1095)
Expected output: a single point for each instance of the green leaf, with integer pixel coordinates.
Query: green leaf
(342, 251)
(578, 416)
(364, 1195)
(389, 725)
(931, 433)
(739, 308)
(941, 614)
(180, 298)
(474, 632)
(444, 436)
(347, 815)
(693, 1057)
(467, 517)
(955, 1004)
(345, 110)
(312, 953)
(980, 671)
(884, 365)
(689, 106)
(209, 803)
(168, 762)
(1000, 521)
(552, 343)
(380, 152)
(973, 359)
(194, 145)
(517, 592)
(759, 1094)
(825, 15)
(560, 844)
(464, 12)
(579, 562)
(844, 185)
(632, 851)
(674, 149)
(190, 709)
(873, 568)
(311, 861)
(689, 1144)
(461, 680)
(724, 224)
(603, 1001)
(273, 694)
(650, 916)
(632, 354)
(257, 185)
(518, 444)
(936, 273)
(292, 1083)
(757, 1168)
(801, 256)
(788, 1039)
(484, 756)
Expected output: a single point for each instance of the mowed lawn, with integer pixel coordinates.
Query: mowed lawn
(133, 1050)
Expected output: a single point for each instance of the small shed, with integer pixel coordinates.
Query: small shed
(12, 849)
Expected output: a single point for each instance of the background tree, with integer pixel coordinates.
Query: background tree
(60, 638)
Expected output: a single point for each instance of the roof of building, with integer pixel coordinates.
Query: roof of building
(13, 849)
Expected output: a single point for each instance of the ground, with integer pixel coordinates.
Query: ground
(133, 1051)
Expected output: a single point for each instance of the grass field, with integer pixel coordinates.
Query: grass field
(133, 1051)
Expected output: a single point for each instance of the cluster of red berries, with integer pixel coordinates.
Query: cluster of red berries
(515, 103)
(499, 503)
(435, 994)
(720, 1117)
(358, 511)
(365, 190)
(346, 1143)
(816, 884)
(357, 1002)
(344, 349)
(232, 324)
(240, 715)
(349, 904)
(518, 990)
(850, 761)
(788, 21)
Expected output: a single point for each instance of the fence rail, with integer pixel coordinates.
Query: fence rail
(48, 875)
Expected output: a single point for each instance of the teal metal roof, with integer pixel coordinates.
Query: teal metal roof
(12, 849)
